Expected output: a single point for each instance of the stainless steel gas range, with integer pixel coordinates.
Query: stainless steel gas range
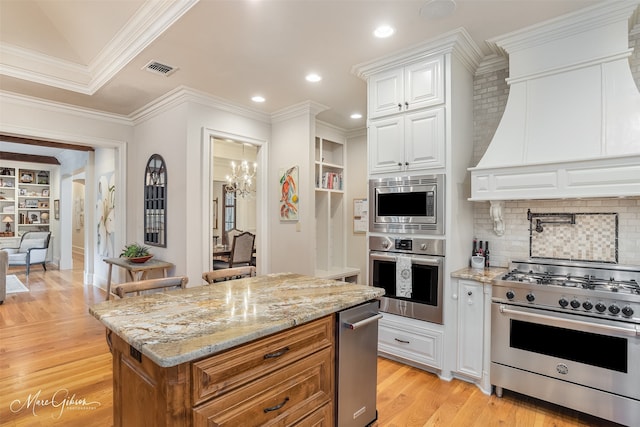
(569, 333)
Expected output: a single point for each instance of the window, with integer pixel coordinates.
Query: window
(228, 214)
(155, 202)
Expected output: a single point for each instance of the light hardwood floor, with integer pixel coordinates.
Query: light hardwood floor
(55, 370)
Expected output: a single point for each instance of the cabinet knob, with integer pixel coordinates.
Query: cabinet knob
(399, 163)
(399, 107)
(406, 105)
(469, 293)
(406, 163)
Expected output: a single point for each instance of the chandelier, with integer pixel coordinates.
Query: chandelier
(240, 183)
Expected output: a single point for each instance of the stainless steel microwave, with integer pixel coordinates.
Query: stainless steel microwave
(407, 204)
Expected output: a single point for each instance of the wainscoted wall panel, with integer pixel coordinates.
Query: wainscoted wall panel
(490, 97)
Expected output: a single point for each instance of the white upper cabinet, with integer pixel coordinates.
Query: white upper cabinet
(407, 142)
(407, 88)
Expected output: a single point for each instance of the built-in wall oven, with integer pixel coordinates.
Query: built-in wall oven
(569, 334)
(407, 204)
(411, 272)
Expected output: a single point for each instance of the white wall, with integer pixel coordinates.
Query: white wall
(292, 242)
(357, 188)
(178, 129)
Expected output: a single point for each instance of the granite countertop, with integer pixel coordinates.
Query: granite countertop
(180, 326)
(486, 275)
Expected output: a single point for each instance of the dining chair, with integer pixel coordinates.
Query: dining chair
(241, 252)
(228, 274)
(164, 283)
(231, 234)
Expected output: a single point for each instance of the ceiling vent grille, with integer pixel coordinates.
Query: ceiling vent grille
(159, 68)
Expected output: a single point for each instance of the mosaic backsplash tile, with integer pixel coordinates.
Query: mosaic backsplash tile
(594, 237)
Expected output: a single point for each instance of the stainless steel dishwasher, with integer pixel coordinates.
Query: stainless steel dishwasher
(357, 365)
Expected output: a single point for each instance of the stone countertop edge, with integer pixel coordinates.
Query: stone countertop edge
(485, 275)
(171, 328)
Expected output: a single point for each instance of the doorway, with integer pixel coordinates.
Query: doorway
(230, 209)
(77, 222)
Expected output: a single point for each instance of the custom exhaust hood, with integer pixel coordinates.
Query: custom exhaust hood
(571, 127)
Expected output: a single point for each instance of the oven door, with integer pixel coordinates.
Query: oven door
(424, 301)
(598, 353)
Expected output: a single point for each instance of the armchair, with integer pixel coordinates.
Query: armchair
(32, 250)
(4, 263)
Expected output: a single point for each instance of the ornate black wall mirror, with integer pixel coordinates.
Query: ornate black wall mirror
(155, 202)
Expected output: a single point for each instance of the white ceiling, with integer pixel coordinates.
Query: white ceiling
(90, 53)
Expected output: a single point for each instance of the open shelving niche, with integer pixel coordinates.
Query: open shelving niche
(330, 211)
(25, 198)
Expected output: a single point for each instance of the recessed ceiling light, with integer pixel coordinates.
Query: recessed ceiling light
(384, 31)
(356, 116)
(257, 98)
(313, 77)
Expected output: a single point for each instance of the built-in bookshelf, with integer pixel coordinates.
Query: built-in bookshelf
(25, 200)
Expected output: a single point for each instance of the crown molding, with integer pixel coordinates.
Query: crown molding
(457, 41)
(598, 15)
(43, 104)
(149, 22)
(492, 63)
(183, 94)
(303, 108)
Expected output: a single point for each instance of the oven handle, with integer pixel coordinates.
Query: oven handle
(554, 321)
(415, 259)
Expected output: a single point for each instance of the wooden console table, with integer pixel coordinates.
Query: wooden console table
(136, 271)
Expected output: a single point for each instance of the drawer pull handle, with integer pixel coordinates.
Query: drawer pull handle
(276, 354)
(402, 341)
(278, 406)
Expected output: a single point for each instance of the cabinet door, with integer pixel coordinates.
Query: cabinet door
(423, 84)
(386, 93)
(470, 328)
(386, 145)
(425, 139)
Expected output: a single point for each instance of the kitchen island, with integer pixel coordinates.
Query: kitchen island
(253, 351)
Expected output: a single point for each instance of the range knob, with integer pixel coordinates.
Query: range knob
(587, 305)
(614, 309)
(530, 297)
(600, 307)
(563, 302)
(575, 303)
(627, 311)
(510, 295)
(386, 244)
(424, 246)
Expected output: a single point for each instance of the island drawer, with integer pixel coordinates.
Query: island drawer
(281, 398)
(234, 368)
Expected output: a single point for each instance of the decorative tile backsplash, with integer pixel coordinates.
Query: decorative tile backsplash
(593, 237)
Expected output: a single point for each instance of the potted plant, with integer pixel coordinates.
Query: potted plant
(135, 252)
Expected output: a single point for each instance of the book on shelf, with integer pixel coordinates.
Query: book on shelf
(332, 181)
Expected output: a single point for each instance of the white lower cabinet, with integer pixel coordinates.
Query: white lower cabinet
(470, 328)
(412, 341)
(473, 346)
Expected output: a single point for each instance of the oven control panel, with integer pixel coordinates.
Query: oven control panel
(577, 301)
(407, 245)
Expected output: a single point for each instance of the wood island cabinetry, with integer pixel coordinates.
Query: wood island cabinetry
(258, 351)
(283, 379)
